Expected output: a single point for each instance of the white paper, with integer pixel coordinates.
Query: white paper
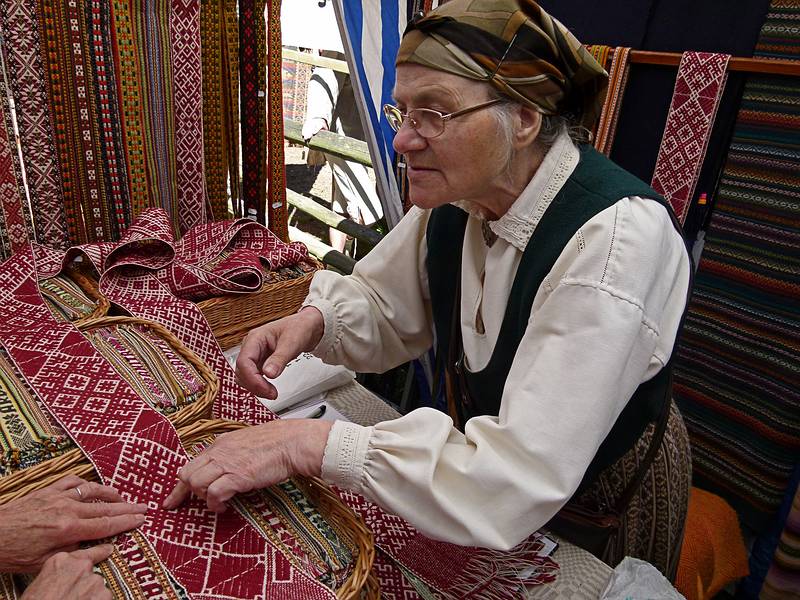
(304, 377)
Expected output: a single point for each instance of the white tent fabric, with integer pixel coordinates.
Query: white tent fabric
(310, 24)
(371, 33)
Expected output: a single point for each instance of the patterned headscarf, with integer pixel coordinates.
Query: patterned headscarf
(514, 45)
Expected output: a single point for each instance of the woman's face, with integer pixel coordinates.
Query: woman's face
(469, 159)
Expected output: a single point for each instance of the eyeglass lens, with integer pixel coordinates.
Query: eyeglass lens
(427, 123)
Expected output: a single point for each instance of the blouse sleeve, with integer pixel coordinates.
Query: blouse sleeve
(603, 321)
(380, 316)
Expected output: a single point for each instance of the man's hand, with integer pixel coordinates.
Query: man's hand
(69, 576)
(57, 518)
(268, 348)
(252, 458)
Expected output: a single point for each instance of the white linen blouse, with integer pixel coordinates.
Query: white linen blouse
(603, 321)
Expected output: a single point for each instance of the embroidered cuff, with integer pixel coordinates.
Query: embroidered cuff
(345, 453)
(331, 334)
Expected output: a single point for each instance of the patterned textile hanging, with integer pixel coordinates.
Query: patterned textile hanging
(129, 82)
(16, 228)
(152, 29)
(114, 166)
(71, 90)
(737, 372)
(26, 78)
(277, 214)
(617, 80)
(184, 26)
(252, 48)
(231, 104)
(698, 90)
(212, 35)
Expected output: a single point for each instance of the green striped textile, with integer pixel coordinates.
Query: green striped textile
(737, 374)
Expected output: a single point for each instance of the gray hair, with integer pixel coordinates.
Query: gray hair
(551, 128)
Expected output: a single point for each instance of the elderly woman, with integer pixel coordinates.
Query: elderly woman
(552, 284)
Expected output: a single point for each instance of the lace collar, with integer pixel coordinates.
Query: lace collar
(517, 225)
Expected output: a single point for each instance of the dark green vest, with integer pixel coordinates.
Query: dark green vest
(596, 184)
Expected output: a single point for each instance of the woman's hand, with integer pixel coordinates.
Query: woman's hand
(58, 517)
(252, 458)
(267, 349)
(69, 576)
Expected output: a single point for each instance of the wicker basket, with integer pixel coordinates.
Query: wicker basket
(360, 585)
(233, 315)
(17, 484)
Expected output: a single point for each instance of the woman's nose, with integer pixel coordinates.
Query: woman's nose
(407, 139)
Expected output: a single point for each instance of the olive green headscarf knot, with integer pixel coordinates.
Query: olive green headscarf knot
(514, 45)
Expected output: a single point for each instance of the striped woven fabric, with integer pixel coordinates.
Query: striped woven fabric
(109, 118)
(737, 373)
(153, 43)
(70, 83)
(212, 33)
(65, 298)
(149, 364)
(28, 435)
(609, 116)
(783, 578)
(231, 103)
(277, 214)
(126, 58)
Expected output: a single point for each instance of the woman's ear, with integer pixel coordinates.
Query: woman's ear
(529, 122)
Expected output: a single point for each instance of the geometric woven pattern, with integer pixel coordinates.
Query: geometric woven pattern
(187, 73)
(698, 89)
(137, 451)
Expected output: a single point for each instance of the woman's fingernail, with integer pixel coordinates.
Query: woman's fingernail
(270, 371)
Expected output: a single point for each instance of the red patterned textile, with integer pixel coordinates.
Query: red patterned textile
(129, 443)
(15, 223)
(188, 94)
(698, 90)
(24, 69)
(253, 113)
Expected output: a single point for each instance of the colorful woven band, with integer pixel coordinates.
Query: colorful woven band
(252, 41)
(277, 215)
(188, 98)
(698, 90)
(609, 117)
(126, 56)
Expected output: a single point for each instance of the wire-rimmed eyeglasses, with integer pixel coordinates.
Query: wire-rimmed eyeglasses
(427, 122)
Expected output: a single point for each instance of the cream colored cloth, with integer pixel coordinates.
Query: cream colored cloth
(603, 321)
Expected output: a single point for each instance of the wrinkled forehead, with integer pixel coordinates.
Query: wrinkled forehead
(416, 85)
